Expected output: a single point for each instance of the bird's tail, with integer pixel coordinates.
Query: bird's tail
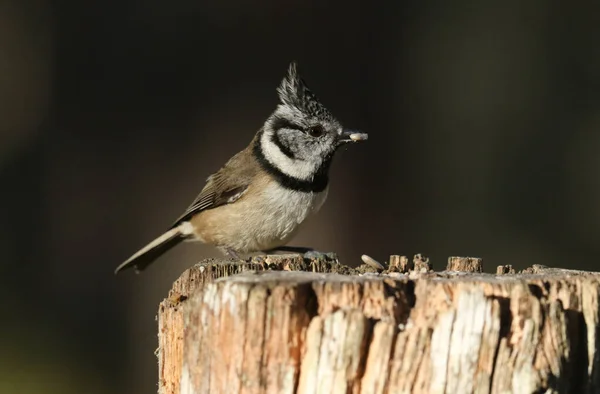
(146, 256)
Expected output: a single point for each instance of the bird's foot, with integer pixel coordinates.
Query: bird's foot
(316, 255)
(307, 253)
(290, 249)
(231, 253)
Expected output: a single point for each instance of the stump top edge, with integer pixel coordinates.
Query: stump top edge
(301, 277)
(296, 277)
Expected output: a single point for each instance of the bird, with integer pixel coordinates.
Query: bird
(263, 194)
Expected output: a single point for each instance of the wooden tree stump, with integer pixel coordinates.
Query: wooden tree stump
(327, 328)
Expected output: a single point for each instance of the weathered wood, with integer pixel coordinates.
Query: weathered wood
(505, 269)
(464, 264)
(422, 264)
(391, 332)
(400, 264)
(170, 316)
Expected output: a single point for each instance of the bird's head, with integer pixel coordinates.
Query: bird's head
(301, 136)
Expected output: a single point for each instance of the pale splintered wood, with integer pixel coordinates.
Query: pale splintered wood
(308, 332)
(465, 264)
(422, 263)
(400, 264)
(170, 317)
(505, 269)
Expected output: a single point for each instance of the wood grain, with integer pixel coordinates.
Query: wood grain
(266, 329)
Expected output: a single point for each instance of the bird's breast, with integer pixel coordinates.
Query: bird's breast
(284, 209)
(264, 218)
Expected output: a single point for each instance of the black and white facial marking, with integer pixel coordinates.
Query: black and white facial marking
(297, 145)
(299, 139)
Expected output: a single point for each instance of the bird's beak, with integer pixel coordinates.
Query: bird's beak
(351, 136)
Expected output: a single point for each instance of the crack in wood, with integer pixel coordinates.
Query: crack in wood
(259, 327)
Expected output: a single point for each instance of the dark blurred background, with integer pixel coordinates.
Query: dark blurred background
(484, 124)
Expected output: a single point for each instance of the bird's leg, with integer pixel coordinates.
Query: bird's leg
(231, 253)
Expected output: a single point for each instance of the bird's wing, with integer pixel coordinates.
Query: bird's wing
(226, 186)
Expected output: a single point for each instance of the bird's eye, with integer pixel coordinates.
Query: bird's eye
(316, 131)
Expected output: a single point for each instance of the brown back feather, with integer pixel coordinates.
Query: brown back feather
(226, 185)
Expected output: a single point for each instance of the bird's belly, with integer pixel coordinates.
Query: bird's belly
(268, 221)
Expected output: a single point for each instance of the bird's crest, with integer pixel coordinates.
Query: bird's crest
(294, 92)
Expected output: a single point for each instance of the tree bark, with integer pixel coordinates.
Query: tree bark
(327, 328)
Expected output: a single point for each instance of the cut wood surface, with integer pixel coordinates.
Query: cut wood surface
(285, 324)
